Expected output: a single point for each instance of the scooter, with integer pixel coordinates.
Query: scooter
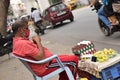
(104, 29)
(41, 27)
(6, 44)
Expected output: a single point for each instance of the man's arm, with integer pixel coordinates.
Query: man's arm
(32, 17)
(93, 2)
(41, 54)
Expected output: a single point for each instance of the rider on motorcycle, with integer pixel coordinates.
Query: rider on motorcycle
(108, 11)
(103, 13)
(37, 18)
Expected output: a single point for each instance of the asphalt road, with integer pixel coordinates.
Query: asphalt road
(60, 41)
(84, 27)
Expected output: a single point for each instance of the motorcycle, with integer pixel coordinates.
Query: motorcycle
(6, 44)
(105, 30)
(41, 27)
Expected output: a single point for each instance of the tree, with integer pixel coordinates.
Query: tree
(4, 4)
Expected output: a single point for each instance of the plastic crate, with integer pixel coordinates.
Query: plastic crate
(111, 73)
(83, 48)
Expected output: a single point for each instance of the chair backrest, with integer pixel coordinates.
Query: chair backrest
(28, 67)
(59, 70)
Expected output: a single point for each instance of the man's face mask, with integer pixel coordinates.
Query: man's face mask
(27, 33)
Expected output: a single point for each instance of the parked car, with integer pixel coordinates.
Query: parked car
(56, 13)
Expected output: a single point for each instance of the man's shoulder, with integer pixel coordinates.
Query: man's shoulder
(21, 40)
(36, 12)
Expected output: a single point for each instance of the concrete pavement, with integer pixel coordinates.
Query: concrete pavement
(13, 69)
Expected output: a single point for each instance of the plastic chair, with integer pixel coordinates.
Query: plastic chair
(59, 70)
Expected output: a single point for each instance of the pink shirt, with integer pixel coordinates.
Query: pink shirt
(27, 49)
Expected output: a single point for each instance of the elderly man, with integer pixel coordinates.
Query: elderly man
(37, 18)
(23, 47)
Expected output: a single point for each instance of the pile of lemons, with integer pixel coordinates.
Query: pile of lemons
(104, 54)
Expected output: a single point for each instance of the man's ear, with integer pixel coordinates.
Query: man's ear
(20, 30)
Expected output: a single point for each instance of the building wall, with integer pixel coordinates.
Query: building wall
(43, 4)
(14, 5)
(39, 4)
(84, 2)
(29, 4)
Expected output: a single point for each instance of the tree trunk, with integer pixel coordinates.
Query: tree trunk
(4, 4)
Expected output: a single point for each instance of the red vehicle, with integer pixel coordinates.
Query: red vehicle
(56, 13)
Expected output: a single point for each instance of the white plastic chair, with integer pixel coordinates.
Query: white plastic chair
(59, 70)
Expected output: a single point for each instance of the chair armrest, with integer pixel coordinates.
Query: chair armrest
(36, 62)
(42, 61)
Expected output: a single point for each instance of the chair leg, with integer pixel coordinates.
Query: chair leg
(36, 78)
(68, 72)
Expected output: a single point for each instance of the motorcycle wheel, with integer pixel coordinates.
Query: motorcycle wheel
(105, 30)
(41, 28)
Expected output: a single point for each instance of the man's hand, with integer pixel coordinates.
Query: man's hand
(37, 41)
(93, 2)
(91, 5)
